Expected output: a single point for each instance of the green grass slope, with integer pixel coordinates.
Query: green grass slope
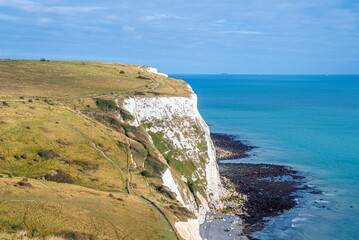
(67, 164)
(69, 79)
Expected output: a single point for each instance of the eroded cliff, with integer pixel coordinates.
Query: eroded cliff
(179, 132)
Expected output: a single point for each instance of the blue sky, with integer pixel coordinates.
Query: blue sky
(202, 36)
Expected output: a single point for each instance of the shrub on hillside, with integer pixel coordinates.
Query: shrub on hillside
(154, 166)
(146, 173)
(5, 104)
(144, 78)
(139, 93)
(182, 211)
(24, 183)
(126, 115)
(48, 154)
(106, 104)
(17, 156)
(166, 192)
(60, 176)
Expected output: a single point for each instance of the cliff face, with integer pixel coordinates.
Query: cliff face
(179, 132)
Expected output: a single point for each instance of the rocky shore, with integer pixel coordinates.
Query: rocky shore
(269, 189)
(227, 147)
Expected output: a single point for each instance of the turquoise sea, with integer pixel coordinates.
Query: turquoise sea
(310, 123)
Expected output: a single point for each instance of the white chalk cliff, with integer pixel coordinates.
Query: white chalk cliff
(155, 71)
(179, 132)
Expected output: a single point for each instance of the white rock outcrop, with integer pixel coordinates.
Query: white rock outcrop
(183, 129)
(189, 230)
(155, 71)
(169, 182)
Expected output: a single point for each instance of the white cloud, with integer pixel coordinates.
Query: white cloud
(234, 27)
(45, 20)
(243, 32)
(218, 23)
(109, 19)
(128, 29)
(26, 5)
(156, 17)
(8, 17)
(71, 10)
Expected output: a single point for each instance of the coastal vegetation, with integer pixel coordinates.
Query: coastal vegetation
(78, 79)
(70, 162)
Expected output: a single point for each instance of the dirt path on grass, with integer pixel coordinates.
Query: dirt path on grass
(124, 179)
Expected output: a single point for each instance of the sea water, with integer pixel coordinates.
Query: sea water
(310, 123)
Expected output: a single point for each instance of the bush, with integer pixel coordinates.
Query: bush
(182, 211)
(24, 183)
(166, 192)
(60, 176)
(144, 78)
(122, 72)
(126, 115)
(146, 173)
(18, 156)
(5, 104)
(2, 156)
(154, 166)
(139, 93)
(48, 154)
(24, 156)
(106, 104)
(48, 101)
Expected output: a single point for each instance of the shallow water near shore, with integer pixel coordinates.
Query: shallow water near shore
(310, 123)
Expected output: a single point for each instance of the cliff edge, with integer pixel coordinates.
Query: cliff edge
(97, 150)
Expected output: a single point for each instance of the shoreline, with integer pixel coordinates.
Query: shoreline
(269, 189)
(228, 147)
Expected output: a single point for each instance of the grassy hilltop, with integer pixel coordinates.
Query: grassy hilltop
(73, 79)
(68, 165)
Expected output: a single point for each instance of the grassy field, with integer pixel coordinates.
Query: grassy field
(49, 208)
(30, 129)
(76, 79)
(67, 143)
